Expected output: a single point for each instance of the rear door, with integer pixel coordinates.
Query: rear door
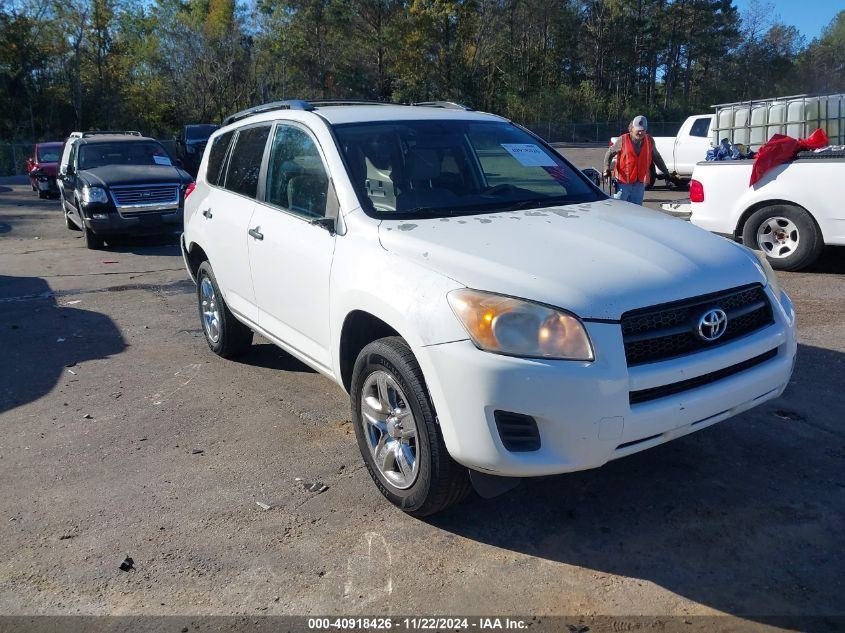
(290, 256)
(226, 214)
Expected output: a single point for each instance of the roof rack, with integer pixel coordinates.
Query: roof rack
(349, 102)
(450, 105)
(290, 104)
(109, 133)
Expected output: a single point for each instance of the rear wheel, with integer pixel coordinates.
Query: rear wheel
(225, 335)
(398, 434)
(787, 234)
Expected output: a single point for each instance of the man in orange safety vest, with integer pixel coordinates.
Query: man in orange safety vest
(635, 152)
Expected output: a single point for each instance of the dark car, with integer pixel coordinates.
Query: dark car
(120, 184)
(41, 167)
(190, 144)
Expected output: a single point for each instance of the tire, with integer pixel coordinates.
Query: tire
(68, 222)
(43, 194)
(786, 233)
(395, 423)
(92, 241)
(226, 336)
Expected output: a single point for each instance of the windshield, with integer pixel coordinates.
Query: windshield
(123, 153)
(49, 154)
(455, 167)
(199, 132)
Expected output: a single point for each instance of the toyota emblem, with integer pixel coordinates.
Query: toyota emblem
(712, 324)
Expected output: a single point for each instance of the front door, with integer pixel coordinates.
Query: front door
(290, 257)
(692, 148)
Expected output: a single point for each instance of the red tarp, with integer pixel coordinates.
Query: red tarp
(781, 149)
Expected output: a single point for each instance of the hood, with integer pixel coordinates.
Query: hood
(116, 175)
(597, 260)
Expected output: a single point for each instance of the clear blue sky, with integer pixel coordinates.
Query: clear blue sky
(808, 16)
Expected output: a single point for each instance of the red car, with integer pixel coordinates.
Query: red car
(42, 168)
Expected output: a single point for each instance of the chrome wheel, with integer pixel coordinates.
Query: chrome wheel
(390, 429)
(778, 237)
(210, 310)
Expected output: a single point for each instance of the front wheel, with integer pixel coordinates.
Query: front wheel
(225, 335)
(787, 234)
(398, 434)
(68, 222)
(92, 241)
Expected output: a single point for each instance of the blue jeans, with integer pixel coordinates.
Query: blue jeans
(632, 193)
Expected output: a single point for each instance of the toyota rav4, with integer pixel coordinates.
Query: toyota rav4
(491, 313)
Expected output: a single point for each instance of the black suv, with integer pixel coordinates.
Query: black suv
(190, 144)
(120, 183)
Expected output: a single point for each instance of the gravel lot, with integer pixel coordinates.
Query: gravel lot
(124, 435)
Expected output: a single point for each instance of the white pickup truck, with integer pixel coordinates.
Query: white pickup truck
(790, 214)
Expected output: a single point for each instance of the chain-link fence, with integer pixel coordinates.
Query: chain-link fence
(557, 132)
(13, 156)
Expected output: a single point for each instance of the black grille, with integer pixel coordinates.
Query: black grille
(158, 195)
(645, 395)
(518, 432)
(670, 330)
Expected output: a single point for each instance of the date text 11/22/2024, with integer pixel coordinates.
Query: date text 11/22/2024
(415, 623)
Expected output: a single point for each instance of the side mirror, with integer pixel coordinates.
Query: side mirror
(69, 170)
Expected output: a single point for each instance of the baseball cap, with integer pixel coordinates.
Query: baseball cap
(639, 123)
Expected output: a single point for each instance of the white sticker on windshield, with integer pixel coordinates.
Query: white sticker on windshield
(529, 155)
(162, 160)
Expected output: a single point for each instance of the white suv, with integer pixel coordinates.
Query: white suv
(491, 313)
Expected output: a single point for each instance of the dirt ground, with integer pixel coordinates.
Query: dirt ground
(123, 435)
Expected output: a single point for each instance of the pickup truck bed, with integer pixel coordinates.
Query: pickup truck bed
(790, 214)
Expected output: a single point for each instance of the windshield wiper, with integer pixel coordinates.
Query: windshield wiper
(537, 203)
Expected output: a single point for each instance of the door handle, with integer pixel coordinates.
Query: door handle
(207, 213)
(256, 233)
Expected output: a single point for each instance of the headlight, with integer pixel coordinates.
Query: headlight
(94, 194)
(771, 275)
(520, 328)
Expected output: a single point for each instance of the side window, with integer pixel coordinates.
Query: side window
(700, 127)
(216, 155)
(71, 159)
(245, 163)
(296, 178)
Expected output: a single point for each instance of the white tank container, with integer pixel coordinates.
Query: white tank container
(834, 109)
(802, 117)
(741, 120)
(759, 118)
(725, 122)
(777, 118)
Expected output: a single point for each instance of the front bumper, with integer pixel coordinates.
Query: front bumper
(582, 410)
(148, 223)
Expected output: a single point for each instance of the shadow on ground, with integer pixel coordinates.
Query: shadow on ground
(745, 517)
(165, 244)
(269, 356)
(40, 340)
